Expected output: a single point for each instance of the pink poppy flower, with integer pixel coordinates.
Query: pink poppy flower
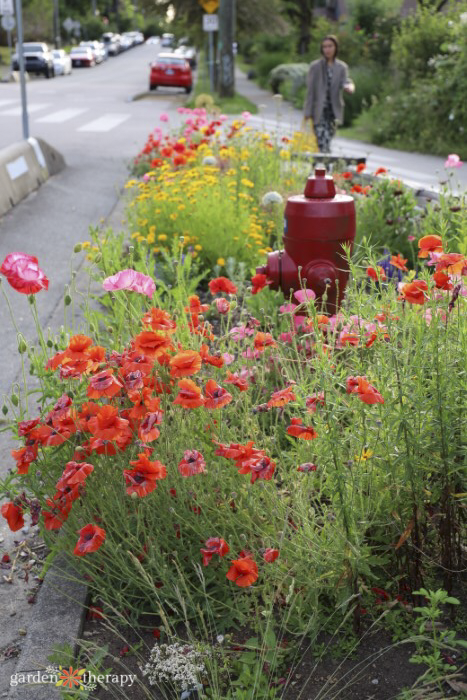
(164, 117)
(453, 161)
(23, 273)
(130, 280)
(302, 295)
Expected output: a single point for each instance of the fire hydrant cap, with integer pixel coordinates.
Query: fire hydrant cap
(321, 186)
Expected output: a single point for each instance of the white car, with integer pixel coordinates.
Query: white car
(153, 40)
(62, 62)
(98, 51)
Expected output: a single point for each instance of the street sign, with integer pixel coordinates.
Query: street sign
(68, 24)
(8, 23)
(209, 5)
(6, 7)
(211, 23)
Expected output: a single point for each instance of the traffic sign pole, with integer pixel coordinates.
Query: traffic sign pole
(24, 101)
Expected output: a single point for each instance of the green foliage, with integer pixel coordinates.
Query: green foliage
(370, 81)
(367, 15)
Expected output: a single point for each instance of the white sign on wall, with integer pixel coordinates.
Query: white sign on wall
(211, 23)
(6, 7)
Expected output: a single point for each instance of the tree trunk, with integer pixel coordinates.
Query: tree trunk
(225, 48)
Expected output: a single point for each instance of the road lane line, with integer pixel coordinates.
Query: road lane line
(17, 111)
(4, 103)
(63, 115)
(104, 123)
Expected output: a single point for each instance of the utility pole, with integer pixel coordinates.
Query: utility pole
(24, 102)
(225, 48)
(57, 40)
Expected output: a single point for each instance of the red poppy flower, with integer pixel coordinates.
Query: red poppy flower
(195, 305)
(348, 339)
(442, 281)
(87, 411)
(414, 292)
(136, 361)
(106, 424)
(24, 456)
(23, 273)
(243, 571)
(100, 447)
(347, 175)
(376, 274)
(166, 151)
(360, 168)
(307, 467)
(49, 436)
(152, 344)
(179, 160)
(399, 262)
(13, 515)
(381, 171)
(270, 555)
(454, 263)
(299, 430)
(357, 189)
(281, 397)
(56, 513)
(430, 244)
(192, 463)
(78, 347)
(91, 537)
(159, 320)
(222, 284)
(260, 467)
(185, 363)
(148, 430)
(216, 396)
(214, 545)
(312, 402)
(132, 380)
(264, 340)
(103, 384)
(190, 395)
(240, 453)
(366, 391)
(74, 473)
(259, 282)
(237, 381)
(222, 305)
(212, 360)
(142, 479)
(25, 426)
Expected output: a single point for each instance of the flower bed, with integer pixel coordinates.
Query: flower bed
(289, 473)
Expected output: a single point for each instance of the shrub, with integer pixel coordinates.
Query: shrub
(266, 62)
(370, 81)
(294, 73)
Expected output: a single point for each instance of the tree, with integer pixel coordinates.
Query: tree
(301, 12)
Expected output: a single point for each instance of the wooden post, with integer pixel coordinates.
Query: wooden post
(225, 45)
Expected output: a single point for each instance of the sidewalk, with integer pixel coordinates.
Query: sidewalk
(415, 169)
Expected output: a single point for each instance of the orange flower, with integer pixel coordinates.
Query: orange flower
(299, 430)
(185, 363)
(91, 537)
(195, 305)
(159, 320)
(190, 395)
(213, 360)
(237, 381)
(87, 411)
(399, 262)
(142, 479)
(151, 344)
(264, 340)
(25, 455)
(77, 347)
(366, 391)
(281, 397)
(222, 284)
(103, 384)
(243, 571)
(96, 355)
(441, 280)
(216, 396)
(453, 263)
(430, 244)
(376, 274)
(414, 292)
(148, 430)
(360, 168)
(107, 424)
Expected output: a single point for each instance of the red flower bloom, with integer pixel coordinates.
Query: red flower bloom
(159, 320)
(152, 344)
(399, 262)
(281, 397)
(259, 282)
(103, 384)
(360, 168)
(148, 430)
(376, 274)
(307, 467)
(270, 555)
(347, 175)
(381, 171)
(56, 514)
(74, 473)
(366, 391)
(25, 426)
(25, 455)
(91, 537)
(190, 395)
(430, 244)
(414, 292)
(264, 340)
(107, 424)
(185, 363)
(14, 515)
(23, 273)
(454, 263)
(214, 545)
(243, 571)
(312, 402)
(192, 463)
(299, 430)
(216, 396)
(260, 467)
(441, 280)
(142, 479)
(222, 284)
(222, 305)
(213, 360)
(196, 307)
(237, 381)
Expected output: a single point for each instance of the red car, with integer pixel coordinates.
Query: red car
(170, 70)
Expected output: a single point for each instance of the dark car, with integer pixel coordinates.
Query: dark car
(37, 59)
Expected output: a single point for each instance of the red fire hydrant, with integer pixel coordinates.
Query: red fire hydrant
(317, 226)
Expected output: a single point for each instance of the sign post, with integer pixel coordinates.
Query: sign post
(24, 101)
(8, 24)
(211, 25)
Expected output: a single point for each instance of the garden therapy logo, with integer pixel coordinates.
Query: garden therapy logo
(71, 679)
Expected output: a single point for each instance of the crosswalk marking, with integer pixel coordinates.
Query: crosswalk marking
(4, 103)
(104, 123)
(63, 115)
(17, 111)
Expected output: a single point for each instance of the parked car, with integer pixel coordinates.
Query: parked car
(168, 40)
(172, 71)
(153, 40)
(98, 51)
(126, 42)
(62, 62)
(37, 59)
(187, 52)
(111, 42)
(82, 56)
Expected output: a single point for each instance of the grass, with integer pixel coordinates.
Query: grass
(228, 105)
(4, 61)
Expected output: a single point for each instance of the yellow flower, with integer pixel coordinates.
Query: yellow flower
(198, 247)
(150, 238)
(247, 183)
(221, 262)
(162, 237)
(86, 244)
(366, 454)
(156, 250)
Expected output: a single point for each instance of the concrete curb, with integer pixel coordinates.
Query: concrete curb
(57, 621)
(24, 167)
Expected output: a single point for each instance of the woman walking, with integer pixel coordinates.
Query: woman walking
(324, 103)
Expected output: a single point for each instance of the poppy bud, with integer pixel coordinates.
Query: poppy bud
(14, 400)
(4, 409)
(78, 248)
(50, 343)
(67, 300)
(31, 298)
(98, 257)
(22, 347)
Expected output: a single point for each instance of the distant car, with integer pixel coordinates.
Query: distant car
(125, 42)
(37, 59)
(62, 62)
(167, 40)
(112, 43)
(153, 40)
(98, 50)
(82, 56)
(187, 52)
(170, 70)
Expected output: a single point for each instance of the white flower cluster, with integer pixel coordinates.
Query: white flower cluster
(180, 664)
(272, 198)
